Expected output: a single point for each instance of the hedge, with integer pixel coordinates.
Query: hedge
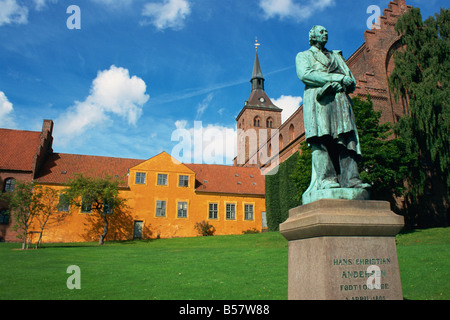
(281, 193)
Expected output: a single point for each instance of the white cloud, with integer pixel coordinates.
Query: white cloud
(292, 8)
(114, 3)
(42, 4)
(6, 109)
(202, 106)
(11, 12)
(289, 104)
(113, 92)
(169, 14)
(210, 144)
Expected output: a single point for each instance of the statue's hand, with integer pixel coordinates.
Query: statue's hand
(347, 81)
(337, 87)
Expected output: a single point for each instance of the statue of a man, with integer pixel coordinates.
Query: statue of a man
(330, 127)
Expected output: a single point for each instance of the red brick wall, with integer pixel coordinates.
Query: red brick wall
(6, 232)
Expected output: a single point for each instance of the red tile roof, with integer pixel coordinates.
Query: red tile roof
(61, 167)
(228, 179)
(18, 148)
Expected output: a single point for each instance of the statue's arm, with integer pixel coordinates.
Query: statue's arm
(311, 76)
(349, 81)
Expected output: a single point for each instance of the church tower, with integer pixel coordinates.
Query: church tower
(255, 122)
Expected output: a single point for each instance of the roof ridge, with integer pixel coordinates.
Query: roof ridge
(95, 156)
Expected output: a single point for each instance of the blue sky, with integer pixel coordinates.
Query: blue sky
(138, 70)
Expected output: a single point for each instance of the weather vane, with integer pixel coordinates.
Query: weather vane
(257, 44)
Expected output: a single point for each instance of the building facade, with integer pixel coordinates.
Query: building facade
(164, 198)
(22, 155)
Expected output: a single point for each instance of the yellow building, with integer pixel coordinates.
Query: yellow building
(164, 198)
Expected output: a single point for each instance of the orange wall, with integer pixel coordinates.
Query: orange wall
(141, 203)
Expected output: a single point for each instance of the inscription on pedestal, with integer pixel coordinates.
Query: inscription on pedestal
(343, 250)
(362, 278)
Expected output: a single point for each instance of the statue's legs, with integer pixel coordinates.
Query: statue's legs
(323, 166)
(334, 166)
(349, 175)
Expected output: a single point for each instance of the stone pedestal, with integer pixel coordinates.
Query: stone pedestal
(343, 249)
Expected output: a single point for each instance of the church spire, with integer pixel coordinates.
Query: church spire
(257, 76)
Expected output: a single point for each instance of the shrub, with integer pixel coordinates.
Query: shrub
(204, 228)
(250, 231)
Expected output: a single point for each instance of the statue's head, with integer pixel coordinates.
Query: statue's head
(318, 34)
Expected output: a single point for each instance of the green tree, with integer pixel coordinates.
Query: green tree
(24, 205)
(421, 79)
(385, 160)
(97, 195)
(49, 211)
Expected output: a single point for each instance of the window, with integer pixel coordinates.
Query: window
(269, 122)
(256, 121)
(248, 212)
(182, 210)
(4, 216)
(63, 204)
(9, 185)
(213, 211)
(162, 179)
(183, 181)
(231, 211)
(108, 207)
(140, 177)
(291, 132)
(160, 208)
(86, 206)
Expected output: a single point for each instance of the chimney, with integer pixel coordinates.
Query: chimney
(45, 147)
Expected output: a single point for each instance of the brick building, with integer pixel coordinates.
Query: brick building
(371, 64)
(22, 155)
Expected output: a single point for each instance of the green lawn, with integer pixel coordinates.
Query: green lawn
(245, 267)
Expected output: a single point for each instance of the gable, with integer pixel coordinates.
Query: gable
(162, 162)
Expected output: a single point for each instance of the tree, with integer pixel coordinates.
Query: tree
(24, 205)
(385, 161)
(97, 195)
(420, 78)
(49, 211)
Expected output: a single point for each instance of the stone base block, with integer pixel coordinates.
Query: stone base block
(338, 193)
(343, 249)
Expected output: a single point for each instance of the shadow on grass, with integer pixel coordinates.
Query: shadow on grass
(407, 231)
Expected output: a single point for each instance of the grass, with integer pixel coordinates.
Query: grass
(424, 261)
(243, 267)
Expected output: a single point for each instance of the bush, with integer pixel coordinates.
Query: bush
(281, 193)
(250, 231)
(204, 228)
